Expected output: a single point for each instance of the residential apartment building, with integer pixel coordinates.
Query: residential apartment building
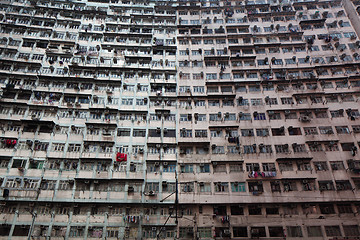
(268, 118)
(141, 119)
(88, 124)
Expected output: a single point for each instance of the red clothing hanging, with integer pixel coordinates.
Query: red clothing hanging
(121, 157)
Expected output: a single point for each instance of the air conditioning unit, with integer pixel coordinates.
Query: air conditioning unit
(305, 119)
(339, 187)
(130, 189)
(158, 130)
(255, 232)
(227, 232)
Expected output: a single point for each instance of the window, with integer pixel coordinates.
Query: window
(332, 231)
(294, 231)
(282, 148)
(74, 147)
(262, 132)
(247, 132)
(265, 148)
(204, 168)
(321, 166)
(326, 130)
(310, 131)
(240, 232)
(304, 165)
(256, 102)
(152, 186)
(187, 168)
(289, 186)
(276, 231)
(243, 102)
(249, 149)
(214, 103)
(255, 210)
(337, 165)
(271, 101)
(233, 150)
(245, 116)
(356, 128)
(236, 210)
(204, 232)
(221, 168)
(127, 101)
(236, 167)
(344, 208)
(343, 185)
(187, 187)
(351, 230)
(221, 187)
(200, 133)
(326, 186)
(252, 167)
(314, 231)
(275, 186)
(255, 187)
(259, 116)
(204, 187)
(286, 166)
(186, 133)
(342, 129)
(238, 187)
(199, 89)
(216, 133)
(211, 76)
(268, 167)
(169, 168)
(58, 147)
(273, 210)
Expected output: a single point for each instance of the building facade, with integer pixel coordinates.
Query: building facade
(141, 119)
